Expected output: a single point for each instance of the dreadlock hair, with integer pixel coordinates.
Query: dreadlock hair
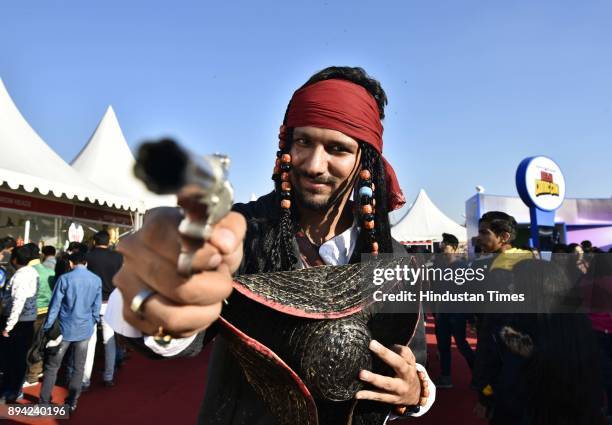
(374, 235)
(381, 233)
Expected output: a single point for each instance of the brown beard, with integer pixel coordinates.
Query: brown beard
(311, 204)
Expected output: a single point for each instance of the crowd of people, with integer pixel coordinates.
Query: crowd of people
(517, 357)
(51, 307)
(527, 365)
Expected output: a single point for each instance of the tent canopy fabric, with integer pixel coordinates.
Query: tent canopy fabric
(107, 161)
(28, 162)
(425, 222)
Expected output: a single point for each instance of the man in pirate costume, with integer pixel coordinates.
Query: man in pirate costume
(297, 344)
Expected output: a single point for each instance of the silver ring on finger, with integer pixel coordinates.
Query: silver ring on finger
(139, 299)
(185, 263)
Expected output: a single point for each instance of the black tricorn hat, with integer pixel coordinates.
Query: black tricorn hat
(302, 337)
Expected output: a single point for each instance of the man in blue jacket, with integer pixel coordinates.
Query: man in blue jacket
(75, 302)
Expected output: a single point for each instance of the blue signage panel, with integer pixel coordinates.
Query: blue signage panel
(541, 186)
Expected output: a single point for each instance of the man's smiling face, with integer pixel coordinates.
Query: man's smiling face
(323, 166)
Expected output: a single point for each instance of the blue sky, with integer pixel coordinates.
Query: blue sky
(473, 86)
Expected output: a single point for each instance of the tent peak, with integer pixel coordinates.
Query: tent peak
(422, 194)
(110, 111)
(106, 160)
(425, 221)
(105, 143)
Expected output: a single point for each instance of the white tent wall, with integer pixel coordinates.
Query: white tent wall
(28, 162)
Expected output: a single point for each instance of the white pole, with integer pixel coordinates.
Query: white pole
(26, 232)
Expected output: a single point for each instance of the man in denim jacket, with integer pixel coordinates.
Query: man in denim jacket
(75, 302)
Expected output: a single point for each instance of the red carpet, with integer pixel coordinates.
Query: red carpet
(454, 405)
(170, 392)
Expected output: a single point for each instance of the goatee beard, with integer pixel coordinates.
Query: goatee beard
(311, 204)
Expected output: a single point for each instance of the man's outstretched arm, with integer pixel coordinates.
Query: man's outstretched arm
(182, 306)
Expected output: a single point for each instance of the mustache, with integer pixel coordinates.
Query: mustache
(314, 179)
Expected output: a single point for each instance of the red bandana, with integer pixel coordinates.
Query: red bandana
(349, 108)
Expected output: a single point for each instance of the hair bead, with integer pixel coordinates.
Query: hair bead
(375, 247)
(286, 204)
(285, 166)
(365, 191)
(286, 158)
(285, 177)
(367, 209)
(286, 186)
(368, 224)
(365, 175)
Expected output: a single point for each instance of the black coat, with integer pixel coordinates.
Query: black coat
(105, 263)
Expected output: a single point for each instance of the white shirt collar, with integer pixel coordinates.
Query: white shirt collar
(338, 250)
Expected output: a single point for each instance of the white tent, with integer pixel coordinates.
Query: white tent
(424, 222)
(107, 161)
(27, 161)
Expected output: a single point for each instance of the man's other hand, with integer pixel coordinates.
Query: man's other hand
(404, 389)
(182, 306)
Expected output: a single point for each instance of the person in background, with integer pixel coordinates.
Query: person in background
(450, 324)
(75, 302)
(62, 263)
(48, 257)
(496, 234)
(7, 245)
(597, 290)
(105, 263)
(17, 323)
(46, 278)
(577, 266)
(548, 367)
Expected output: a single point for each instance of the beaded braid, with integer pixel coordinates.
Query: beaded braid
(282, 254)
(371, 199)
(367, 203)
